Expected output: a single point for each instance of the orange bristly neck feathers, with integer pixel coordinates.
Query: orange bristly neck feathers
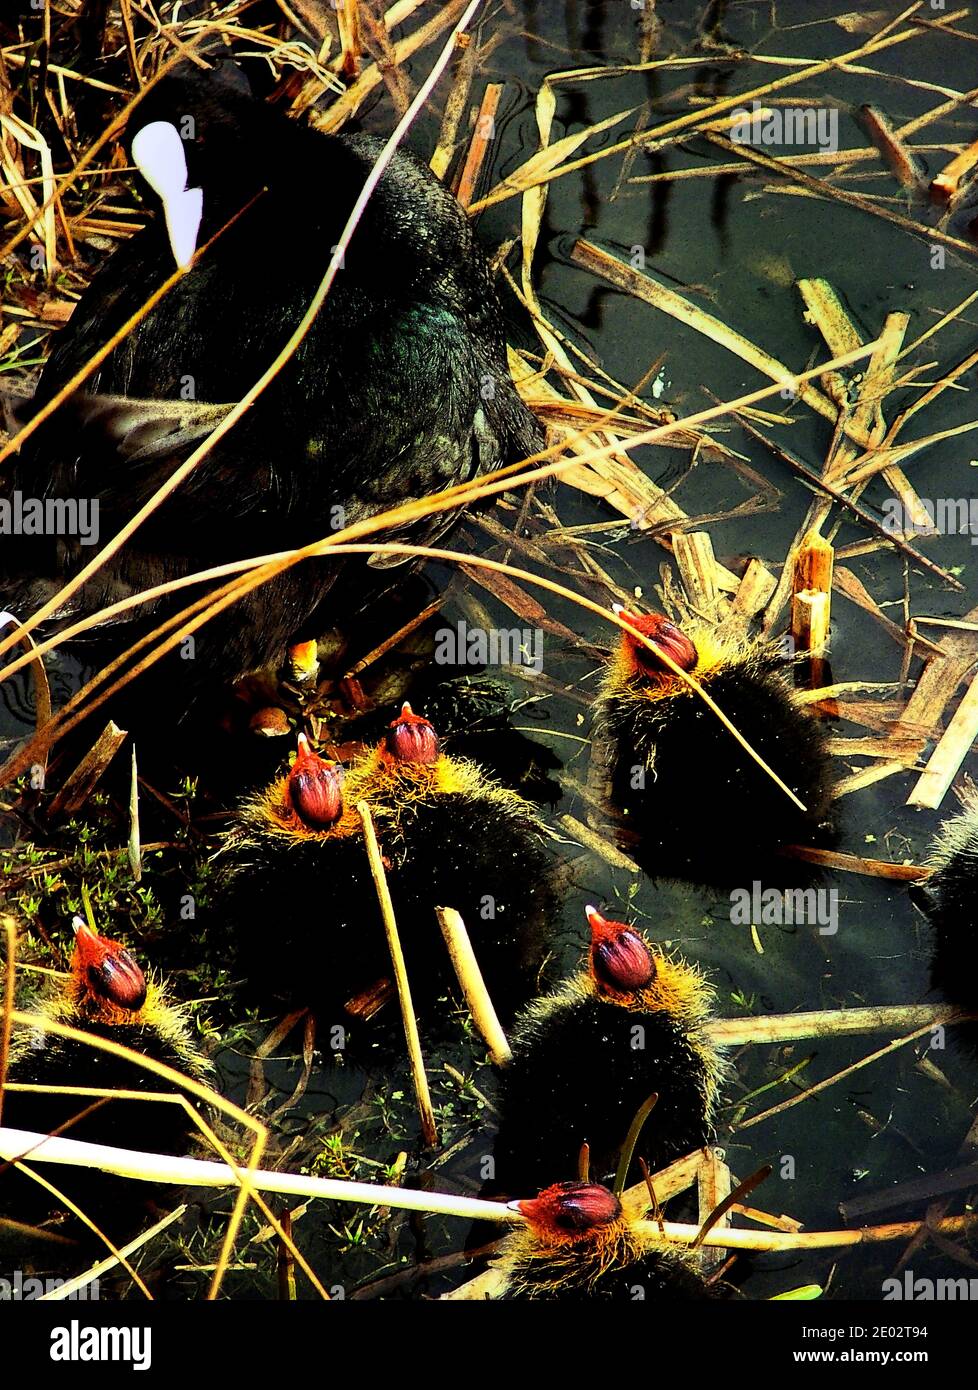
(571, 1212)
(626, 970)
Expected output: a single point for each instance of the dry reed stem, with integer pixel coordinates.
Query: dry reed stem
(827, 1023)
(477, 996)
(903, 164)
(518, 183)
(347, 105)
(819, 485)
(70, 1287)
(81, 781)
(731, 1239)
(820, 188)
(838, 1076)
(481, 141)
(955, 744)
(6, 1023)
(856, 864)
(65, 1201)
(198, 1172)
(229, 594)
(415, 1056)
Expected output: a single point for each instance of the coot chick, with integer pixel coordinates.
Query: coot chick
(950, 901)
(301, 908)
(578, 1245)
(400, 389)
(107, 996)
(587, 1056)
(700, 808)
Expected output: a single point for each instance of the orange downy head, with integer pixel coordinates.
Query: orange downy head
(570, 1210)
(106, 970)
(620, 960)
(665, 634)
(412, 739)
(303, 661)
(314, 788)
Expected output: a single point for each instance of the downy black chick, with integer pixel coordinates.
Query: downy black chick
(578, 1245)
(698, 806)
(587, 1056)
(107, 996)
(949, 899)
(300, 904)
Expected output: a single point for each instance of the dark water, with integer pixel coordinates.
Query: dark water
(734, 249)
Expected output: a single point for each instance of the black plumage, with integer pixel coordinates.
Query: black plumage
(696, 805)
(578, 1245)
(299, 907)
(949, 898)
(400, 388)
(106, 996)
(586, 1058)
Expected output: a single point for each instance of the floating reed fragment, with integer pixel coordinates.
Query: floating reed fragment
(811, 604)
(955, 744)
(902, 162)
(947, 183)
(80, 783)
(466, 966)
(827, 1023)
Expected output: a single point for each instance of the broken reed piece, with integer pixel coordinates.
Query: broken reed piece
(456, 107)
(698, 571)
(858, 864)
(134, 847)
(902, 163)
(810, 629)
(827, 1023)
(756, 588)
(485, 125)
(369, 1002)
(714, 1184)
(948, 182)
(415, 1057)
(80, 783)
(348, 22)
(954, 745)
(811, 604)
(477, 997)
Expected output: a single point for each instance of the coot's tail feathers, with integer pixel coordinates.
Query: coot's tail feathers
(142, 429)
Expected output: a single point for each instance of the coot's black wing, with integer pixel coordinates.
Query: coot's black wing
(399, 389)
